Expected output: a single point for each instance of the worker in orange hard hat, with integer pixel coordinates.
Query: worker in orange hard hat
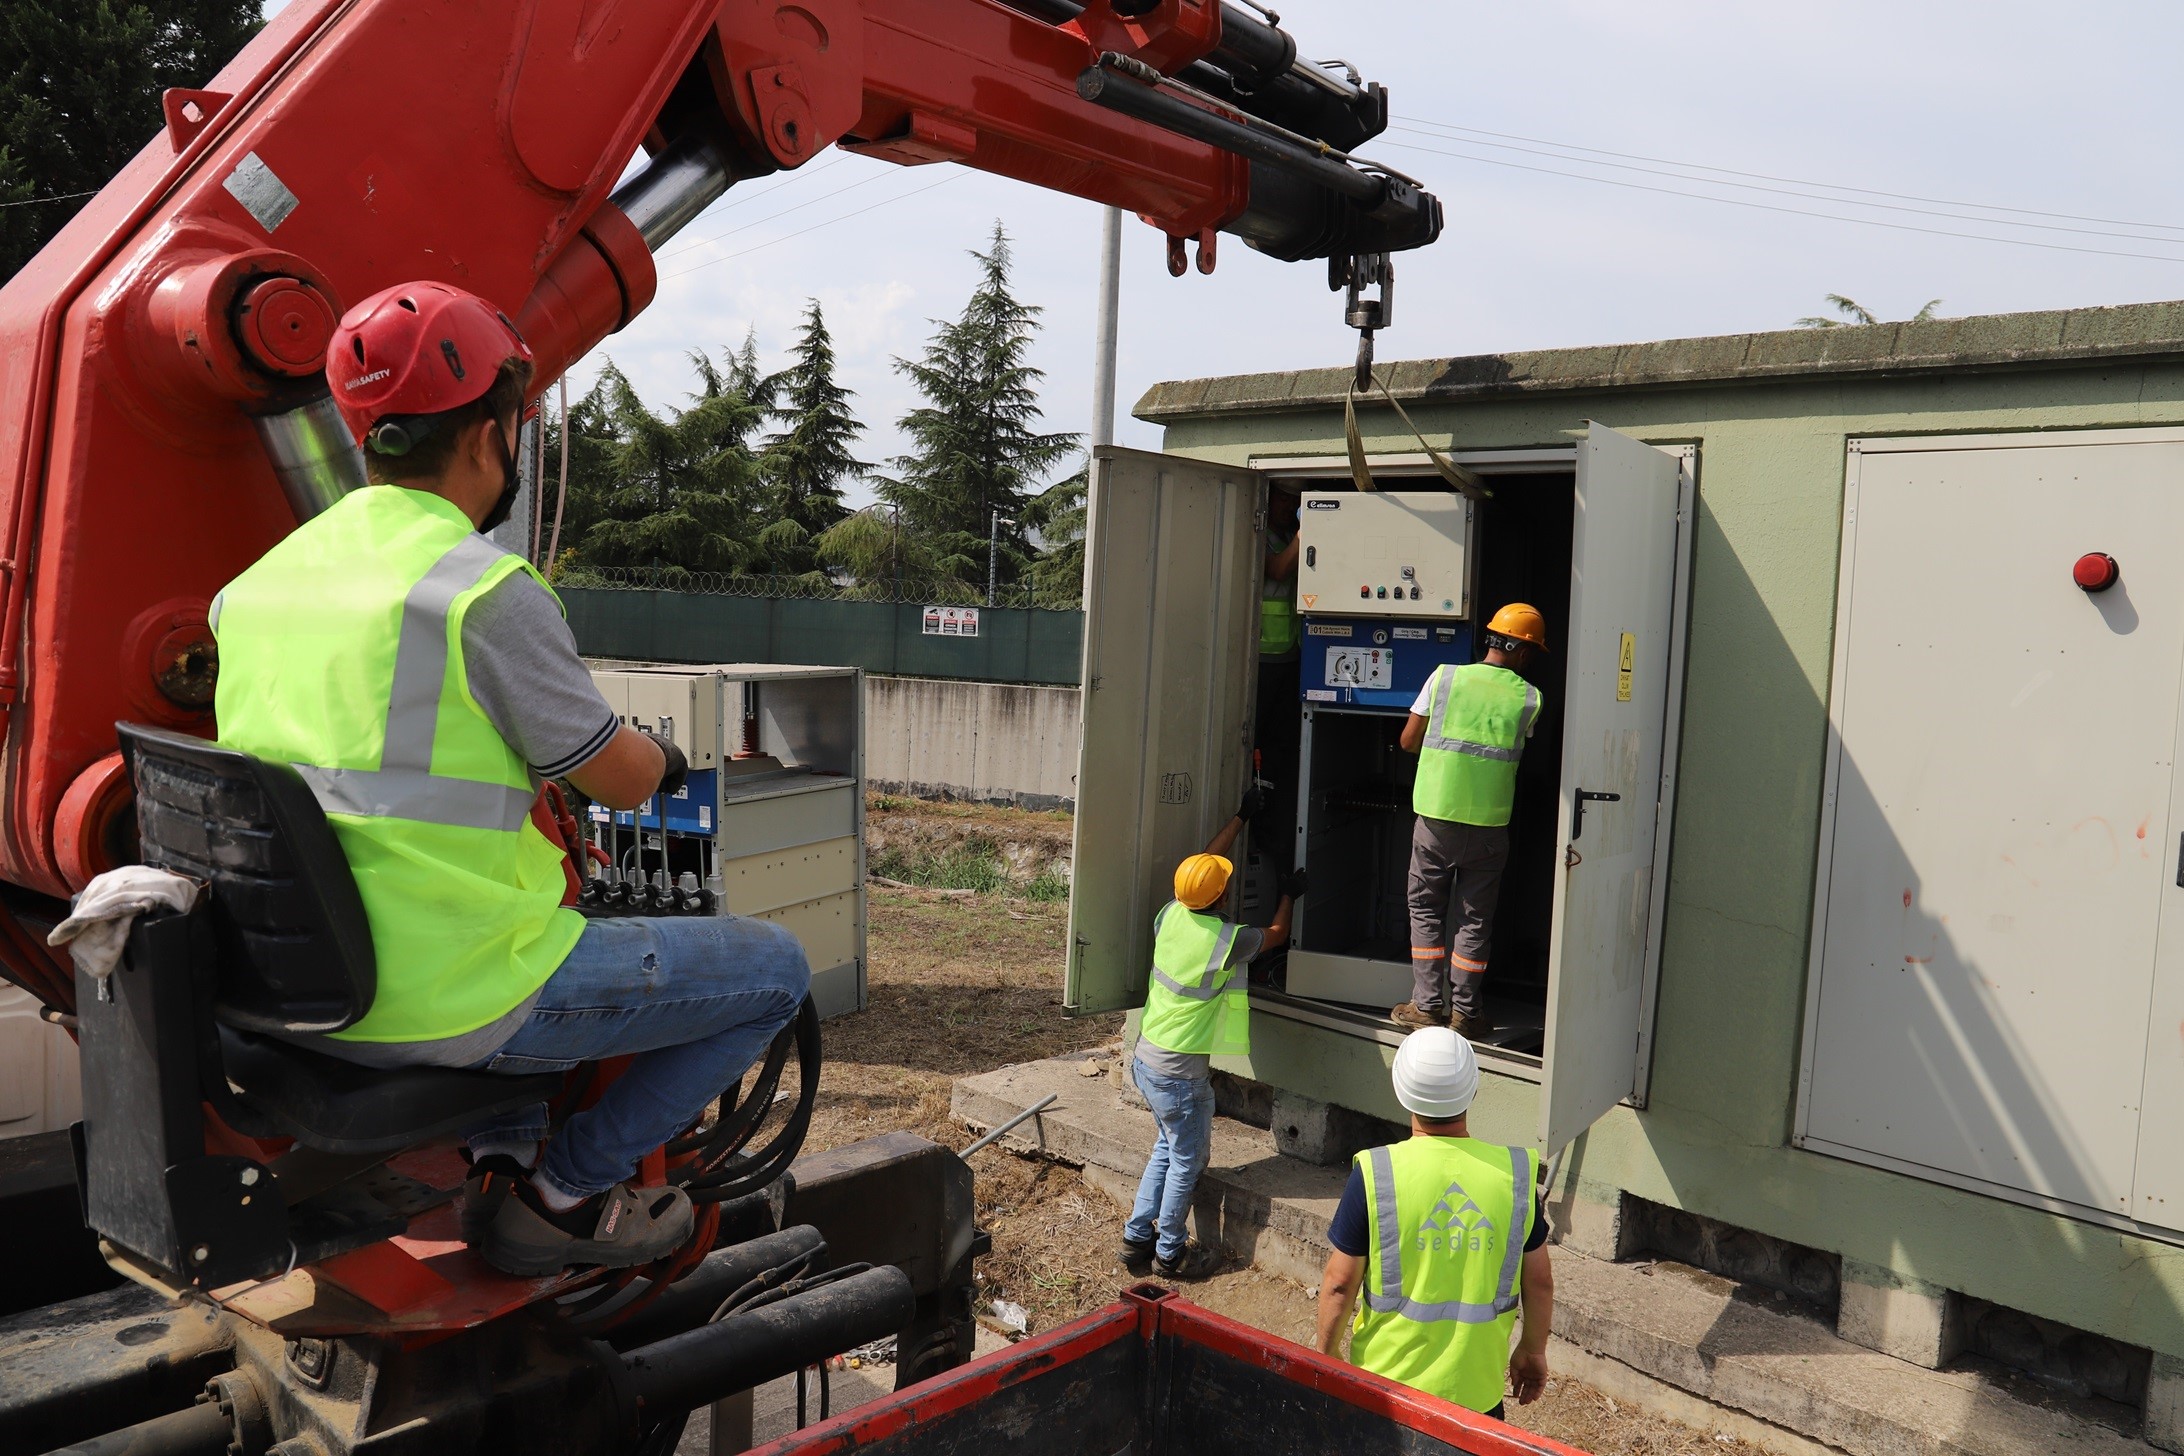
(1196, 1008)
(1468, 728)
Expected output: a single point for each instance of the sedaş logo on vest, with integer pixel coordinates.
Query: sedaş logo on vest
(1456, 1225)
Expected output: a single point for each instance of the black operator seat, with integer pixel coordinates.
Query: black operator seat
(293, 954)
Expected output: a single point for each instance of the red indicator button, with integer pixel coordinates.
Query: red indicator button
(2096, 571)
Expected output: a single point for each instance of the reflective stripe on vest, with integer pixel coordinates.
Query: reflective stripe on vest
(404, 786)
(1388, 1238)
(1436, 737)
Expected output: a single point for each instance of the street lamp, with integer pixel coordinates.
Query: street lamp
(993, 556)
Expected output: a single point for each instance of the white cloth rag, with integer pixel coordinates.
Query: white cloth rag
(97, 927)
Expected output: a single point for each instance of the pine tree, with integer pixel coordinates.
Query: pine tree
(1058, 515)
(977, 448)
(80, 82)
(808, 462)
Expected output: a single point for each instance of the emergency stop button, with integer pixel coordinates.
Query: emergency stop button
(2096, 571)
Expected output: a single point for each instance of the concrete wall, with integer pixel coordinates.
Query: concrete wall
(1715, 1137)
(989, 742)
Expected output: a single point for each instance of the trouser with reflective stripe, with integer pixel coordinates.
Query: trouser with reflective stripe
(1455, 881)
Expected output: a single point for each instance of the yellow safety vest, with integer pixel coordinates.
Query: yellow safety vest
(341, 652)
(1467, 764)
(1278, 634)
(1449, 1221)
(1197, 1001)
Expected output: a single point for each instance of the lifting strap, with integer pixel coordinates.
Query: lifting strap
(1465, 481)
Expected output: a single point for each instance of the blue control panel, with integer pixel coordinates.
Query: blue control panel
(689, 809)
(1380, 663)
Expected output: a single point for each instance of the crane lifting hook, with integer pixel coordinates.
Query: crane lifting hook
(1355, 274)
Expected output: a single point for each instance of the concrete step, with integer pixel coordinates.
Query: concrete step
(1656, 1333)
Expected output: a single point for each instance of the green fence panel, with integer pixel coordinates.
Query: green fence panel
(1014, 644)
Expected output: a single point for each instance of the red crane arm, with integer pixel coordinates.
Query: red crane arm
(162, 410)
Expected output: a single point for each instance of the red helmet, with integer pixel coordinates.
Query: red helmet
(417, 349)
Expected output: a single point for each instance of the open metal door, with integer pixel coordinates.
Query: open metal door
(1623, 697)
(1171, 635)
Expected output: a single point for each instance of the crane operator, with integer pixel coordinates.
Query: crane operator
(423, 682)
(1468, 728)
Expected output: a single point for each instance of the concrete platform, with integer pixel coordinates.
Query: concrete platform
(1656, 1333)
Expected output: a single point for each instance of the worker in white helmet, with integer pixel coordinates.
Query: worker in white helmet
(1447, 1238)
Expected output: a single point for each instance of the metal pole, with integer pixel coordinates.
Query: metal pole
(993, 557)
(1032, 1111)
(1104, 327)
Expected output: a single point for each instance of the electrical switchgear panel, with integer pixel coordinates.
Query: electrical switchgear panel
(1384, 554)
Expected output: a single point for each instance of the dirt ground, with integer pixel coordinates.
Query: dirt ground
(964, 983)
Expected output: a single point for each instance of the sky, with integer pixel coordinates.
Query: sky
(1945, 111)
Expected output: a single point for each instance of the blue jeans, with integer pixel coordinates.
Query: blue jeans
(1183, 1107)
(696, 999)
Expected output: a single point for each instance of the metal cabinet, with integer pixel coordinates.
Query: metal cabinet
(1997, 975)
(1173, 564)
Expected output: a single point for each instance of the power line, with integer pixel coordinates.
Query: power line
(57, 197)
(1901, 227)
(1791, 192)
(845, 217)
(1769, 177)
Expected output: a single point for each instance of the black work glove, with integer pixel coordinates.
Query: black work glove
(678, 767)
(1294, 884)
(1254, 802)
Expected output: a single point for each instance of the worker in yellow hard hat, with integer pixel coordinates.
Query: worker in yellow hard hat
(1196, 1007)
(1468, 728)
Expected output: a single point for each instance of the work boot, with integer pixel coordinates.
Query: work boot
(1194, 1263)
(616, 1229)
(1410, 1016)
(1472, 1026)
(1137, 1259)
(484, 1191)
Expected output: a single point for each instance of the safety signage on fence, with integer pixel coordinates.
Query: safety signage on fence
(951, 621)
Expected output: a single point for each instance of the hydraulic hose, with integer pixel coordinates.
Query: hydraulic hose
(202, 1430)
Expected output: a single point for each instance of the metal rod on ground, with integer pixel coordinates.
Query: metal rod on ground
(1104, 328)
(1032, 1111)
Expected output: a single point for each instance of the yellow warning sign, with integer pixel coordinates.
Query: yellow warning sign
(1623, 663)
(1310, 601)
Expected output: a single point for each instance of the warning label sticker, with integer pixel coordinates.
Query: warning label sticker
(1623, 662)
(1410, 634)
(1329, 629)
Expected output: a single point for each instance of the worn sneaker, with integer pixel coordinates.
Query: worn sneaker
(1136, 1258)
(616, 1229)
(1194, 1263)
(1410, 1016)
(484, 1191)
(1473, 1027)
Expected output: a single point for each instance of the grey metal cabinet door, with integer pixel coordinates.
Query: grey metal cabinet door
(1173, 559)
(1623, 694)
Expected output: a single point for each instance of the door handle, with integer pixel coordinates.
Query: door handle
(1577, 820)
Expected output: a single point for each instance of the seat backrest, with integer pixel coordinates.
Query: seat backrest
(295, 950)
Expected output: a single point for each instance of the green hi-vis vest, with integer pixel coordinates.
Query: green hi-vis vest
(1450, 1217)
(1467, 765)
(1278, 634)
(1197, 1001)
(341, 652)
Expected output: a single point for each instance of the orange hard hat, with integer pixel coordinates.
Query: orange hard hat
(1522, 622)
(1201, 880)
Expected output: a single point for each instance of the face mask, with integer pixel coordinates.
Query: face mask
(507, 501)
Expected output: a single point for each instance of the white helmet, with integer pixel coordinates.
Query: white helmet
(1436, 1074)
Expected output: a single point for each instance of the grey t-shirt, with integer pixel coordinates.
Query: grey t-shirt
(524, 672)
(1198, 1066)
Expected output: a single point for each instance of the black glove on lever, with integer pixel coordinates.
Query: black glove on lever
(1294, 884)
(1254, 802)
(678, 767)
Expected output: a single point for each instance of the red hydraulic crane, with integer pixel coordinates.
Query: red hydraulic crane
(164, 420)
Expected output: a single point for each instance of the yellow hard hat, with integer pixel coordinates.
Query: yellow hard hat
(1201, 879)
(1521, 621)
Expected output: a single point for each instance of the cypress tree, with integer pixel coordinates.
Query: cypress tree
(808, 462)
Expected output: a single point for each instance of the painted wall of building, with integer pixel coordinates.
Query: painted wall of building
(1715, 1136)
(992, 743)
